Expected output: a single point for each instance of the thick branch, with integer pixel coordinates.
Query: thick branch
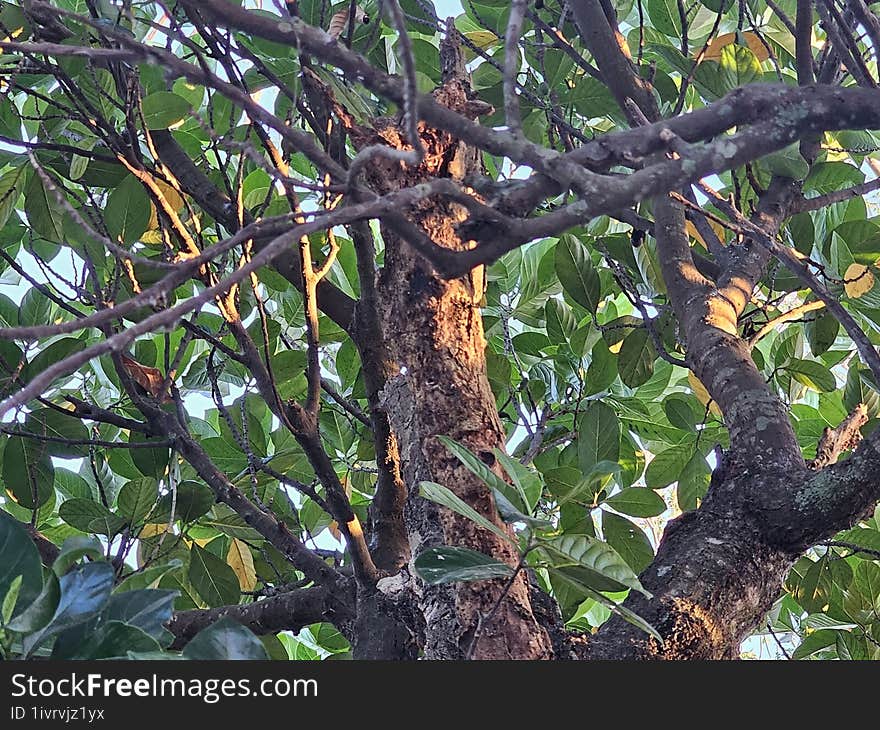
(832, 500)
(612, 57)
(285, 612)
(719, 357)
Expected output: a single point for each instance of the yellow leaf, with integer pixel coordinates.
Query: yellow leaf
(174, 201)
(713, 52)
(146, 550)
(693, 233)
(703, 394)
(857, 281)
(153, 236)
(334, 530)
(481, 38)
(152, 530)
(241, 561)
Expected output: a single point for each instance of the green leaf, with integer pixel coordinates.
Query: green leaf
(128, 211)
(813, 375)
(511, 514)
(524, 479)
(150, 577)
(635, 361)
(561, 322)
(52, 424)
(576, 273)
(683, 411)
(592, 562)
(816, 641)
(112, 640)
(666, 467)
(861, 388)
(164, 109)
(149, 610)
(194, 500)
(9, 600)
(89, 516)
(826, 177)
(693, 483)
(787, 162)
(145, 610)
(821, 332)
(328, 637)
(480, 469)
(573, 485)
(602, 371)
(444, 496)
(40, 612)
(628, 540)
(665, 17)
(620, 610)
(74, 548)
(10, 188)
(739, 66)
(214, 580)
(637, 502)
(150, 462)
(28, 472)
(43, 212)
(34, 310)
(598, 436)
(718, 6)
(225, 640)
(441, 565)
(52, 354)
(137, 497)
(591, 98)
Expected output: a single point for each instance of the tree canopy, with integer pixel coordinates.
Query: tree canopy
(544, 330)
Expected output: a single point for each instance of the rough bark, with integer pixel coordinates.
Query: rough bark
(712, 580)
(434, 332)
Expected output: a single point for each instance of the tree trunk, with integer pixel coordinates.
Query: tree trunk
(434, 334)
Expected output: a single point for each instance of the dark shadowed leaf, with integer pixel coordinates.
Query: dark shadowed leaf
(225, 640)
(84, 593)
(20, 560)
(452, 565)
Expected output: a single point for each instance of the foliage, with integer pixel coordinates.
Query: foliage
(609, 435)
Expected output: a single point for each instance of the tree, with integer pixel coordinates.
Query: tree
(544, 331)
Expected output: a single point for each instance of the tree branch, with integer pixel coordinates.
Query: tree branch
(847, 435)
(290, 611)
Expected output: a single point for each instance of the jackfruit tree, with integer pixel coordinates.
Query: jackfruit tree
(533, 330)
